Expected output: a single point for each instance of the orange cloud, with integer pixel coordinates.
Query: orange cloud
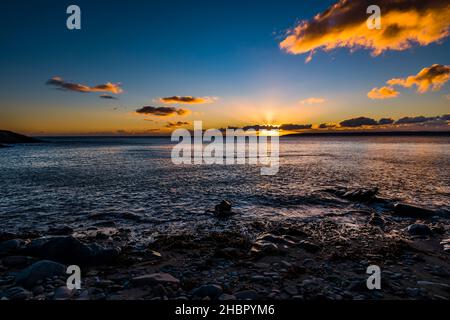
(312, 100)
(404, 23)
(383, 93)
(108, 87)
(435, 77)
(187, 100)
(176, 124)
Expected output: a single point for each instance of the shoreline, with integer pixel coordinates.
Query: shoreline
(320, 258)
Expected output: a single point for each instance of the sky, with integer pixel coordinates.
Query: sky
(148, 67)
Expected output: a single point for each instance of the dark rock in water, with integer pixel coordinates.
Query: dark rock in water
(418, 229)
(7, 236)
(413, 211)
(223, 209)
(17, 293)
(70, 250)
(39, 271)
(11, 246)
(12, 137)
(208, 290)
(155, 278)
(62, 231)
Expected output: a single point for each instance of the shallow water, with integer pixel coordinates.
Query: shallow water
(73, 181)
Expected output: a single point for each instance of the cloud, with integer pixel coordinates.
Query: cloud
(109, 87)
(383, 93)
(107, 96)
(433, 77)
(312, 100)
(385, 121)
(415, 120)
(176, 124)
(404, 24)
(327, 125)
(187, 100)
(445, 117)
(293, 127)
(358, 122)
(162, 111)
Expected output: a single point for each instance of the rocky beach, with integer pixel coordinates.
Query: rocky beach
(310, 258)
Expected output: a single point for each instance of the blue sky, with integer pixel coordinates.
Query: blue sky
(224, 49)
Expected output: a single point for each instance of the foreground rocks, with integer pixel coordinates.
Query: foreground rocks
(321, 258)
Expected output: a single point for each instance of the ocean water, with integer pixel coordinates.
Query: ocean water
(132, 181)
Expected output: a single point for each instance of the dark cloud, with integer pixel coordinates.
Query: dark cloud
(385, 121)
(187, 100)
(107, 96)
(109, 87)
(327, 125)
(257, 127)
(445, 117)
(177, 124)
(414, 120)
(405, 23)
(293, 127)
(358, 122)
(162, 111)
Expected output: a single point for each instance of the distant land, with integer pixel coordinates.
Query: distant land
(369, 133)
(9, 137)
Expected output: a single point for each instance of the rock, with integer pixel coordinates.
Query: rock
(223, 209)
(17, 261)
(62, 293)
(263, 248)
(413, 211)
(292, 290)
(11, 246)
(61, 231)
(434, 284)
(446, 244)
(70, 250)
(39, 271)
(208, 290)
(225, 297)
(412, 292)
(17, 293)
(361, 194)
(376, 220)
(309, 246)
(7, 236)
(418, 229)
(246, 295)
(155, 278)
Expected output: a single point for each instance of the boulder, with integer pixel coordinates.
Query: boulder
(208, 290)
(419, 229)
(17, 293)
(413, 211)
(223, 209)
(11, 246)
(70, 250)
(246, 295)
(39, 271)
(155, 278)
